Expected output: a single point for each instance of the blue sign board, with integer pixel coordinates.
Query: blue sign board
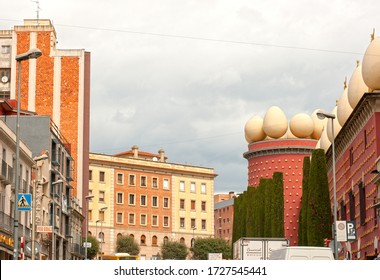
(24, 201)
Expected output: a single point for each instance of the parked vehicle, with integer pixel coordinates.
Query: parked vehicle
(302, 253)
(249, 248)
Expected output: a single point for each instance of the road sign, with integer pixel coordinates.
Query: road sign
(87, 244)
(24, 201)
(351, 230)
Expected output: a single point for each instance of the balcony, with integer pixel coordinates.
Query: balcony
(77, 250)
(6, 173)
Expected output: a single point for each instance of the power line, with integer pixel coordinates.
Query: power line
(203, 39)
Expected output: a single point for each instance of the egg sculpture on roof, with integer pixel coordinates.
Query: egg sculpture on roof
(301, 125)
(324, 142)
(319, 125)
(254, 130)
(371, 65)
(356, 86)
(344, 108)
(337, 126)
(275, 122)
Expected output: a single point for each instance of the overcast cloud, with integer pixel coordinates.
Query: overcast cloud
(186, 75)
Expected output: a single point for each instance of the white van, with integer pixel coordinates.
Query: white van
(302, 253)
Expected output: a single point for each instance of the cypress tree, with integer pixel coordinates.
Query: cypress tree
(250, 225)
(277, 208)
(267, 184)
(260, 210)
(319, 210)
(302, 218)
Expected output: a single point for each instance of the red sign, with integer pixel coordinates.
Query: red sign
(44, 229)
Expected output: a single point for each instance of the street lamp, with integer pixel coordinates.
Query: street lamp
(88, 197)
(321, 115)
(193, 228)
(34, 204)
(96, 234)
(101, 230)
(31, 54)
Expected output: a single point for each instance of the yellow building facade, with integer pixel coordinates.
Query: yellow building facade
(140, 194)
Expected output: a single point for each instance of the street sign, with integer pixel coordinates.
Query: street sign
(351, 230)
(24, 201)
(45, 229)
(87, 244)
(28, 247)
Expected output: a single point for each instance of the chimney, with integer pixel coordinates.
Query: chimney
(231, 194)
(161, 152)
(135, 151)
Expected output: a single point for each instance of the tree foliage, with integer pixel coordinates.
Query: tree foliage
(204, 246)
(277, 206)
(127, 244)
(319, 208)
(94, 249)
(302, 224)
(174, 250)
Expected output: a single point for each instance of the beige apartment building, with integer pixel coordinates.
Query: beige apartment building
(140, 194)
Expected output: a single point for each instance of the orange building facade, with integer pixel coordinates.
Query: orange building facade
(56, 84)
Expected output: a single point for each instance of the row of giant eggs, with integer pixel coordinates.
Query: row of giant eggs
(275, 125)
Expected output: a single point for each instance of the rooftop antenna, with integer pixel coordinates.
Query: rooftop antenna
(38, 9)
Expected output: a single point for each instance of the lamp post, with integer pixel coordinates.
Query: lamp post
(88, 197)
(34, 204)
(193, 228)
(96, 235)
(101, 230)
(321, 115)
(31, 54)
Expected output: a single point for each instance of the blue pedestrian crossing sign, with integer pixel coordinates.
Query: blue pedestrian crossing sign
(24, 201)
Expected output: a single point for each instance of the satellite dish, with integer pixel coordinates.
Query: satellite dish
(28, 247)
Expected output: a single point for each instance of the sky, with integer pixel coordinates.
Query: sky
(186, 75)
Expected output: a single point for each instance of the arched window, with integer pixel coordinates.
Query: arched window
(182, 240)
(101, 236)
(89, 233)
(154, 240)
(132, 236)
(166, 239)
(142, 240)
(119, 235)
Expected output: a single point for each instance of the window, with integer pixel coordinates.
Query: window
(351, 197)
(142, 240)
(192, 187)
(203, 205)
(101, 176)
(119, 217)
(342, 210)
(362, 200)
(166, 240)
(5, 49)
(166, 202)
(120, 178)
(193, 223)
(131, 218)
(143, 181)
(101, 196)
(154, 201)
(89, 213)
(155, 182)
(90, 175)
(143, 200)
(203, 188)
(143, 219)
(182, 186)
(166, 184)
(166, 221)
(182, 222)
(182, 204)
(120, 198)
(203, 224)
(101, 215)
(351, 156)
(132, 180)
(131, 199)
(192, 205)
(182, 240)
(155, 220)
(154, 240)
